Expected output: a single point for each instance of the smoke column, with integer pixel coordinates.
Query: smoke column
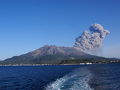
(91, 41)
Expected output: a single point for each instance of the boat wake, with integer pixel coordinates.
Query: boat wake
(76, 80)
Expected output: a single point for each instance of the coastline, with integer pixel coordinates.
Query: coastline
(56, 64)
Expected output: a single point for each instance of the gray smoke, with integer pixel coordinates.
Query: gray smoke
(91, 41)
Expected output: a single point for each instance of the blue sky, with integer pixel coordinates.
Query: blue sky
(26, 25)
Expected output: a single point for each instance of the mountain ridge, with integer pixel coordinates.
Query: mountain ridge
(50, 54)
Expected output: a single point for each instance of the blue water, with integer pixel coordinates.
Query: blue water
(72, 77)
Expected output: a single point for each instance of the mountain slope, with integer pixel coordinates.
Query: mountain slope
(48, 55)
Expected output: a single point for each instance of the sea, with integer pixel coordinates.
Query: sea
(60, 77)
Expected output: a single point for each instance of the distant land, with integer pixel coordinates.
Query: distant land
(53, 55)
(89, 41)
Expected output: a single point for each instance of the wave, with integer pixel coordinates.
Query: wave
(76, 80)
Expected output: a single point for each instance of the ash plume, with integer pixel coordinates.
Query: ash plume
(91, 40)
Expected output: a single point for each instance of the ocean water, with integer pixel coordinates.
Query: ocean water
(69, 77)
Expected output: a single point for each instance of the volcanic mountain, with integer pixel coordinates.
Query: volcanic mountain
(87, 42)
(48, 55)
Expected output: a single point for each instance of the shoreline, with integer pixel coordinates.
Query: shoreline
(55, 64)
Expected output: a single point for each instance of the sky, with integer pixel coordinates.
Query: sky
(26, 25)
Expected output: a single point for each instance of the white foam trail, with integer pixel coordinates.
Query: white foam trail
(77, 80)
